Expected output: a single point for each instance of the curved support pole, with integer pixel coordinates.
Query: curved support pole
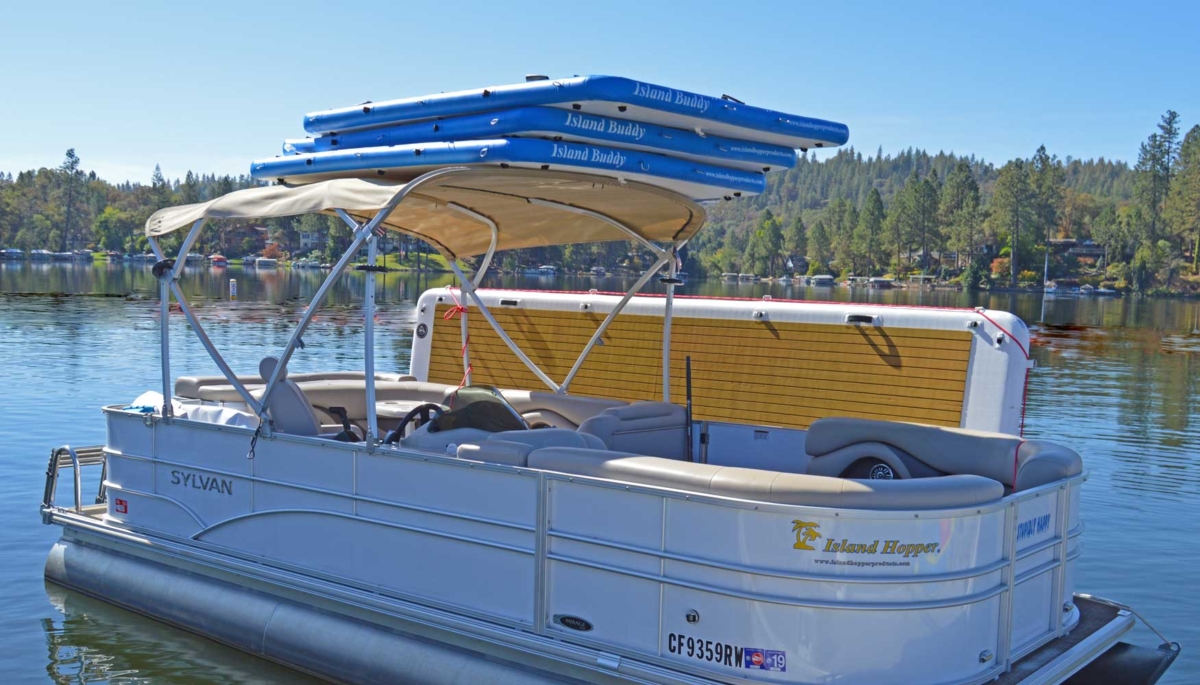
(637, 287)
(479, 274)
(184, 249)
(361, 235)
(645, 242)
(491, 251)
(469, 289)
(201, 334)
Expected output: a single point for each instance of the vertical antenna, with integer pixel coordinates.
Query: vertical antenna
(688, 381)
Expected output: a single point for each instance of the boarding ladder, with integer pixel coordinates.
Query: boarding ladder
(75, 459)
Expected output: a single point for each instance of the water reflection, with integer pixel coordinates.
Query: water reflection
(96, 642)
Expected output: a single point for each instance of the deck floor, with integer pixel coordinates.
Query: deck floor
(1092, 617)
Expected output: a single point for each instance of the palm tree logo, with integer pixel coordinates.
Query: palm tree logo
(806, 532)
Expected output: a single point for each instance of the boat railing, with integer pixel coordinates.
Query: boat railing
(75, 459)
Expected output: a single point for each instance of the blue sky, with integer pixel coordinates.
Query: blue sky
(211, 85)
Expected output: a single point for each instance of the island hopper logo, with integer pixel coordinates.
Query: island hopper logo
(806, 534)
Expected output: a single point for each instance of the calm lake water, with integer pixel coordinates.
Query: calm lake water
(1117, 379)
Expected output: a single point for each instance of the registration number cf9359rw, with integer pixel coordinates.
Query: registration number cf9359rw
(725, 654)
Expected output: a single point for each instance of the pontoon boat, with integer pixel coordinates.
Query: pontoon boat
(593, 487)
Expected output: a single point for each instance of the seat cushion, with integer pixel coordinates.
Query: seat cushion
(770, 486)
(574, 408)
(289, 409)
(441, 441)
(189, 386)
(657, 429)
(496, 452)
(1008, 459)
(550, 437)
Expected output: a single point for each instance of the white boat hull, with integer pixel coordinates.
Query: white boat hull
(645, 575)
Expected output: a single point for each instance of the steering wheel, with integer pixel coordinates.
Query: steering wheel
(427, 412)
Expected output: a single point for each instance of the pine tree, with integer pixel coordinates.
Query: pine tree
(902, 220)
(925, 205)
(1046, 184)
(819, 247)
(796, 240)
(71, 177)
(1155, 167)
(190, 191)
(1012, 209)
(869, 230)
(958, 210)
(1183, 199)
(160, 189)
(773, 243)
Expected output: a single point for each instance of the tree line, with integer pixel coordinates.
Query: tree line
(914, 212)
(961, 217)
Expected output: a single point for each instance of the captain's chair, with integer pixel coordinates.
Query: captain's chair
(289, 409)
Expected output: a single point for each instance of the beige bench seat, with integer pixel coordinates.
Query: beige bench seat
(348, 389)
(917, 450)
(514, 447)
(770, 486)
(189, 386)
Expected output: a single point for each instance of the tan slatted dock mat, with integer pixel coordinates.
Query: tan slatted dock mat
(774, 373)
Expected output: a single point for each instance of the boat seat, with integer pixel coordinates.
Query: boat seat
(657, 429)
(289, 409)
(555, 410)
(770, 486)
(348, 393)
(189, 386)
(496, 452)
(919, 451)
(513, 447)
(441, 441)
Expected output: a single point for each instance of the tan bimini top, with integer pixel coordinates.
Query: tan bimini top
(514, 199)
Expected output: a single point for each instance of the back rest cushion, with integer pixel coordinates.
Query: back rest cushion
(289, 409)
(652, 428)
(573, 408)
(1042, 462)
(998, 456)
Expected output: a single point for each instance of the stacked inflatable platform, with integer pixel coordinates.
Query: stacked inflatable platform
(703, 147)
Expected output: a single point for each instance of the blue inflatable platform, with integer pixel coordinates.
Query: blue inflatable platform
(559, 124)
(609, 96)
(695, 180)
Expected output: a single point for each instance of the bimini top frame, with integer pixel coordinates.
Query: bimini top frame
(461, 212)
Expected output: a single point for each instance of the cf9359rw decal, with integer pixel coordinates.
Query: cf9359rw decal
(725, 654)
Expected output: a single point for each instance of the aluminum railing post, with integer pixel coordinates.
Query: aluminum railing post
(164, 334)
(666, 336)
(369, 339)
